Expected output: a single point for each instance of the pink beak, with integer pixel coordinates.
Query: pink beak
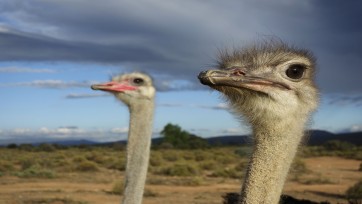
(113, 86)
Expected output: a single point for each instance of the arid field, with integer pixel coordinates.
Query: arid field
(82, 175)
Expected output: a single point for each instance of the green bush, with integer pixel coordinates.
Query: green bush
(318, 180)
(338, 145)
(354, 193)
(241, 166)
(149, 193)
(298, 167)
(171, 156)
(36, 172)
(118, 164)
(209, 165)
(201, 155)
(26, 147)
(12, 146)
(87, 166)
(53, 200)
(227, 173)
(243, 151)
(6, 166)
(27, 163)
(118, 188)
(181, 170)
(156, 159)
(45, 147)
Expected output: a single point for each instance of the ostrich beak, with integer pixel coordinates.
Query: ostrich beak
(238, 78)
(113, 86)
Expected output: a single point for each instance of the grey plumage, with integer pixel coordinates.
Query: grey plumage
(270, 86)
(136, 90)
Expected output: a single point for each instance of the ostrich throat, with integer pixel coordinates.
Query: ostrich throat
(275, 146)
(138, 148)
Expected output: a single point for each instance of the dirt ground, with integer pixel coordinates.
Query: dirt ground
(334, 175)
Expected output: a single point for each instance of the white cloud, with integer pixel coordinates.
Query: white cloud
(220, 106)
(233, 131)
(24, 70)
(85, 95)
(356, 128)
(21, 130)
(26, 135)
(50, 83)
(119, 130)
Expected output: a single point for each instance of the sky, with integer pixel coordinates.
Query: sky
(52, 51)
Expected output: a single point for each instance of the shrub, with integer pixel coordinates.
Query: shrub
(27, 163)
(202, 155)
(208, 165)
(318, 180)
(26, 147)
(338, 145)
(6, 166)
(118, 188)
(87, 166)
(156, 159)
(243, 151)
(181, 170)
(299, 167)
(53, 200)
(36, 172)
(354, 193)
(227, 173)
(149, 193)
(170, 156)
(45, 147)
(118, 164)
(118, 146)
(241, 166)
(176, 181)
(12, 146)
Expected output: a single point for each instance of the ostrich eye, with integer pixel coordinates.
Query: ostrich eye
(138, 81)
(295, 71)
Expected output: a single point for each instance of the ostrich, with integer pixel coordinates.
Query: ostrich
(270, 86)
(137, 92)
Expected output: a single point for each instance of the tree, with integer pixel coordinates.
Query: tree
(333, 145)
(178, 138)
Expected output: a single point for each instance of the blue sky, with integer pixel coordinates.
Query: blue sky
(51, 51)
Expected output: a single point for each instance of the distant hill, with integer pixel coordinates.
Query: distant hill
(75, 142)
(319, 137)
(314, 137)
(59, 142)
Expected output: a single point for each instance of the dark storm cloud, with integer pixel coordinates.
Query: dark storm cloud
(16, 46)
(180, 38)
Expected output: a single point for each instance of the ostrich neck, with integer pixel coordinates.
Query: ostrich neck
(138, 150)
(274, 149)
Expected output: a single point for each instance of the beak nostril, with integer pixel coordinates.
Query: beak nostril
(238, 73)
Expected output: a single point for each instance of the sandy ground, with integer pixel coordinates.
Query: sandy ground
(95, 188)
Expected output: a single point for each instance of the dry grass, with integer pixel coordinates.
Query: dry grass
(176, 172)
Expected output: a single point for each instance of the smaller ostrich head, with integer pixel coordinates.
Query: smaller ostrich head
(129, 88)
(266, 81)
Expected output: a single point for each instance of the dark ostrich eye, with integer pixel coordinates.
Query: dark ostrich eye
(138, 81)
(295, 71)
